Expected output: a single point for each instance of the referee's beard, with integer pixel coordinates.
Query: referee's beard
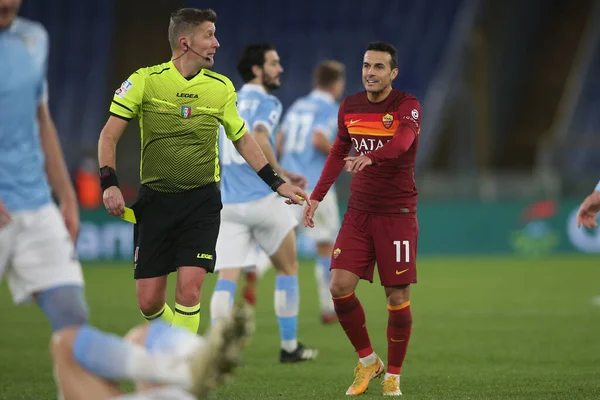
(189, 64)
(203, 61)
(197, 61)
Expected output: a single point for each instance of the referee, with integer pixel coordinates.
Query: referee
(180, 105)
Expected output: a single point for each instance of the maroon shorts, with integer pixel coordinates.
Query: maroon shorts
(388, 240)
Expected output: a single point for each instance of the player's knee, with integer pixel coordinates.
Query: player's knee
(149, 304)
(289, 268)
(137, 334)
(397, 295)
(187, 294)
(339, 288)
(65, 306)
(150, 299)
(189, 283)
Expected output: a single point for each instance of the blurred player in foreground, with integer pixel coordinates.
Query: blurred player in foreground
(254, 216)
(37, 242)
(380, 226)
(589, 209)
(308, 131)
(180, 105)
(202, 364)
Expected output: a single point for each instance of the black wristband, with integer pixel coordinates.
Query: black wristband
(108, 178)
(270, 177)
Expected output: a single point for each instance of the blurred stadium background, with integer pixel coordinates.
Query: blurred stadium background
(509, 146)
(510, 92)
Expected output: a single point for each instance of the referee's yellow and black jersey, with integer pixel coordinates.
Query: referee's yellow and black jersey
(179, 124)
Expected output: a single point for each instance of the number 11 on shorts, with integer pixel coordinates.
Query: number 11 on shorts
(399, 244)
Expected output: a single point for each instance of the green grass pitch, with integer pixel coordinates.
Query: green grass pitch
(484, 328)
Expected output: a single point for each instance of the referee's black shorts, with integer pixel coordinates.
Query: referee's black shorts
(176, 230)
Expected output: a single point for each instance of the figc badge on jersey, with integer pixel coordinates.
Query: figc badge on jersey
(186, 111)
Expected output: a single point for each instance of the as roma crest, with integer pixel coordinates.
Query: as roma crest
(387, 120)
(337, 252)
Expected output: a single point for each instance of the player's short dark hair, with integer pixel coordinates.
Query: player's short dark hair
(385, 47)
(328, 72)
(253, 54)
(186, 19)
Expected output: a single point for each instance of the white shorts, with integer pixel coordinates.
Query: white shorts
(245, 227)
(327, 220)
(163, 393)
(37, 253)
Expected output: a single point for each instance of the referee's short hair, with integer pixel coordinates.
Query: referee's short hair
(184, 20)
(253, 54)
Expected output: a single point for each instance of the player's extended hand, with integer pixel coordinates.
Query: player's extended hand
(113, 201)
(4, 215)
(294, 194)
(588, 211)
(355, 164)
(309, 213)
(296, 179)
(70, 213)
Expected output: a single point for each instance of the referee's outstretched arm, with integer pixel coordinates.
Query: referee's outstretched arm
(248, 148)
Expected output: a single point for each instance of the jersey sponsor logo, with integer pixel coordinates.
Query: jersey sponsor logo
(186, 111)
(274, 117)
(364, 146)
(188, 95)
(354, 121)
(337, 252)
(413, 117)
(125, 86)
(387, 120)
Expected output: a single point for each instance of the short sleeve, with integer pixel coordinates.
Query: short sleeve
(268, 114)
(326, 123)
(409, 114)
(43, 51)
(127, 100)
(42, 92)
(232, 122)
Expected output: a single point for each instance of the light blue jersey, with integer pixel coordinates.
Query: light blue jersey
(315, 112)
(23, 55)
(239, 182)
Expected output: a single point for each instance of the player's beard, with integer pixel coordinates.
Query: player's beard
(270, 83)
(7, 16)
